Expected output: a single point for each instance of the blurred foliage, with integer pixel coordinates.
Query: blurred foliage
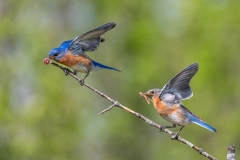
(46, 115)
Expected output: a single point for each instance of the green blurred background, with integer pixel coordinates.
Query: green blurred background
(47, 115)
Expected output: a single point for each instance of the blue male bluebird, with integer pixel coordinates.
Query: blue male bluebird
(71, 53)
(168, 100)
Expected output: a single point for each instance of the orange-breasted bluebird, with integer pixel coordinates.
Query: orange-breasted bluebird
(71, 53)
(168, 100)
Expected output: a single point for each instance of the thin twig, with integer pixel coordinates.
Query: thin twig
(108, 109)
(150, 122)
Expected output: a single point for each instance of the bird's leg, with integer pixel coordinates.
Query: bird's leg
(175, 135)
(75, 72)
(163, 127)
(82, 80)
(67, 71)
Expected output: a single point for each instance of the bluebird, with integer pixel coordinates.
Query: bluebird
(168, 100)
(71, 53)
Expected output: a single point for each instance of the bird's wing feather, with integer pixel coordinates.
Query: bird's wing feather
(90, 40)
(180, 83)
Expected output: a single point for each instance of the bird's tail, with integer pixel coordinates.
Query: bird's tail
(98, 66)
(203, 124)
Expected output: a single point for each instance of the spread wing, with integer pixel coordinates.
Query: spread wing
(179, 85)
(90, 40)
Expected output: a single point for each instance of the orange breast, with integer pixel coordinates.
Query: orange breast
(74, 60)
(174, 114)
(162, 108)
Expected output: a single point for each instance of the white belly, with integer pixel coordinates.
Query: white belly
(177, 118)
(80, 68)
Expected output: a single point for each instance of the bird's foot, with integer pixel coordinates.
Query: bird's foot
(81, 82)
(174, 136)
(66, 71)
(162, 128)
(75, 72)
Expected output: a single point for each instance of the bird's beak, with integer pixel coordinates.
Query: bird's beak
(50, 57)
(146, 96)
(149, 95)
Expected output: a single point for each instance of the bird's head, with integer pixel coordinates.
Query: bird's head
(152, 92)
(56, 54)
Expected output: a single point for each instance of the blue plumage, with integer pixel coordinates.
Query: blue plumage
(203, 124)
(101, 66)
(66, 44)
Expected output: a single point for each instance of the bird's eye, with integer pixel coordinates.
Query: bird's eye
(152, 92)
(55, 54)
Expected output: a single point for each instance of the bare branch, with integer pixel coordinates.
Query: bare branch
(231, 155)
(148, 121)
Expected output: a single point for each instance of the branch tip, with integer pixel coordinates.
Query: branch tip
(231, 155)
(109, 108)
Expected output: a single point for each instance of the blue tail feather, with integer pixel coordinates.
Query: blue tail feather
(203, 124)
(101, 66)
